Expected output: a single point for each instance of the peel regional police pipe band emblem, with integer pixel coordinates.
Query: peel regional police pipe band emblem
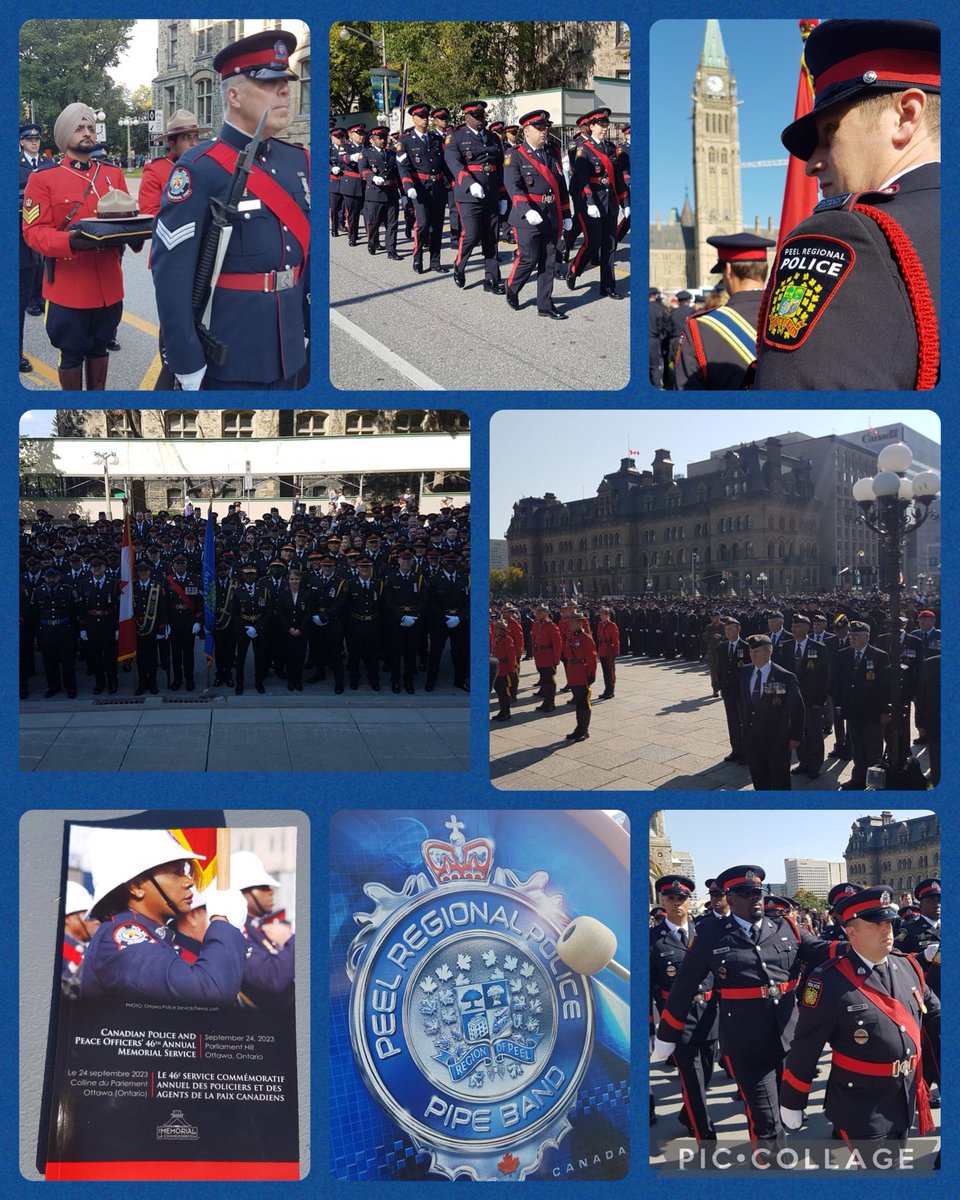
(467, 1027)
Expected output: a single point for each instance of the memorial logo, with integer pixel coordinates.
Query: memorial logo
(177, 1129)
(467, 1027)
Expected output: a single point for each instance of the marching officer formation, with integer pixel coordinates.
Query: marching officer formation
(781, 993)
(783, 689)
(498, 182)
(301, 601)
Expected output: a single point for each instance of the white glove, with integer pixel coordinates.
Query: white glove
(626, 213)
(567, 224)
(355, 157)
(196, 628)
(407, 621)
(503, 208)
(791, 1118)
(250, 631)
(191, 382)
(116, 635)
(412, 193)
(315, 618)
(593, 211)
(661, 1050)
(533, 218)
(378, 180)
(83, 635)
(453, 622)
(335, 170)
(230, 903)
(477, 190)
(930, 952)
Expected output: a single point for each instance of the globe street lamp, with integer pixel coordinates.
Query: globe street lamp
(894, 507)
(761, 579)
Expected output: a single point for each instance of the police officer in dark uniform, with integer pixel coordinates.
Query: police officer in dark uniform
(861, 696)
(868, 259)
(260, 310)
(474, 159)
(426, 181)
(337, 138)
(835, 931)
(224, 635)
(810, 662)
(696, 1049)
(99, 609)
(870, 1005)
(441, 123)
(600, 191)
(150, 615)
(754, 962)
(381, 201)
(252, 611)
(326, 638)
(184, 608)
(658, 328)
(675, 326)
(719, 345)
(772, 711)
(540, 211)
(405, 599)
(733, 656)
(449, 616)
(925, 931)
(364, 612)
(54, 606)
(351, 180)
(31, 264)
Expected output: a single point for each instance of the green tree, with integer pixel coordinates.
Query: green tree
(511, 582)
(808, 900)
(64, 61)
(350, 61)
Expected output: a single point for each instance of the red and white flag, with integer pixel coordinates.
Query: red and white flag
(801, 193)
(127, 644)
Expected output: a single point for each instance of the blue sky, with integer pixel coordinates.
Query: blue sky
(576, 448)
(765, 59)
(719, 839)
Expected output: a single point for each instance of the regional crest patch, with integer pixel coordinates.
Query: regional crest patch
(810, 269)
(179, 186)
(811, 993)
(467, 1027)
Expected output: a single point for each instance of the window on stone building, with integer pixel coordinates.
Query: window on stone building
(622, 33)
(360, 422)
(174, 497)
(180, 424)
(311, 424)
(169, 99)
(409, 420)
(173, 32)
(203, 89)
(120, 425)
(303, 70)
(204, 30)
(237, 424)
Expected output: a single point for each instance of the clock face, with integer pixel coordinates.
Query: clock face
(714, 85)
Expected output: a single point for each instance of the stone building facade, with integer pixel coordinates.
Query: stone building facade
(895, 853)
(186, 79)
(647, 532)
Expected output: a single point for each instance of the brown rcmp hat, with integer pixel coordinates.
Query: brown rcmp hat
(117, 221)
(183, 121)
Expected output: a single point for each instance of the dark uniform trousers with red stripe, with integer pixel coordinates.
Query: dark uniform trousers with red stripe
(476, 158)
(873, 1023)
(422, 167)
(757, 1007)
(696, 1051)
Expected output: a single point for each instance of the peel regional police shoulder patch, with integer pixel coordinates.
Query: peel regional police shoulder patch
(811, 992)
(810, 269)
(467, 1027)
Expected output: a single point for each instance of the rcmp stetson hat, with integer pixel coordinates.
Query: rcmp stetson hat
(927, 888)
(744, 877)
(674, 885)
(842, 889)
(183, 121)
(263, 55)
(535, 117)
(738, 248)
(870, 904)
(849, 60)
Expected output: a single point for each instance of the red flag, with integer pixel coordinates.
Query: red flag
(127, 642)
(200, 841)
(800, 193)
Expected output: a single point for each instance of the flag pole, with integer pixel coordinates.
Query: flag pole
(223, 859)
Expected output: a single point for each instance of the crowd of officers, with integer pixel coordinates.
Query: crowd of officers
(758, 986)
(786, 683)
(307, 599)
(499, 182)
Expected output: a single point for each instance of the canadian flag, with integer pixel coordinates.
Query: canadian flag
(127, 643)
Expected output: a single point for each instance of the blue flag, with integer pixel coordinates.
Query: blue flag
(209, 587)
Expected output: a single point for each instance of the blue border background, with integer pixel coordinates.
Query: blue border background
(321, 795)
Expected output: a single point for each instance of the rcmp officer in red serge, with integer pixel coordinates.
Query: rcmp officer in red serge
(182, 133)
(870, 1006)
(425, 181)
(381, 204)
(475, 160)
(696, 1051)
(600, 191)
(754, 961)
(260, 308)
(83, 286)
(772, 711)
(540, 212)
(854, 298)
(718, 346)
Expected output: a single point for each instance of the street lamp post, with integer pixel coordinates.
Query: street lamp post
(347, 31)
(106, 457)
(894, 507)
(761, 579)
(694, 558)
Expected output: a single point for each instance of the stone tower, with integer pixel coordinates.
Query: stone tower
(716, 150)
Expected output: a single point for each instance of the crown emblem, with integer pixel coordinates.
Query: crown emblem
(750, 876)
(458, 860)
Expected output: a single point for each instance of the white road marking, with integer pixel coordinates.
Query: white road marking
(400, 365)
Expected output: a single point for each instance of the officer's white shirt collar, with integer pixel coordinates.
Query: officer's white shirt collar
(676, 928)
(764, 675)
(933, 924)
(900, 174)
(801, 645)
(866, 961)
(747, 926)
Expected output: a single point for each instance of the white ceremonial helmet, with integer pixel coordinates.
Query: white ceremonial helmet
(78, 899)
(119, 855)
(247, 871)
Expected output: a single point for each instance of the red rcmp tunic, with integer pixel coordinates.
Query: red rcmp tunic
(546, 644)
(85, 278)
(581, 654)
(155, 176)
(608, 635)
(504, 651)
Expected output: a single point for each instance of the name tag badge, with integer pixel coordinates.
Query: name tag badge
(249, 205)
(191, 591)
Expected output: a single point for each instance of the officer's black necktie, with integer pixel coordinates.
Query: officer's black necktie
(856, 659)
(755, 934)
(733, 647)
(756, 688)
(799, 653)
(880, 978)
(683, 936)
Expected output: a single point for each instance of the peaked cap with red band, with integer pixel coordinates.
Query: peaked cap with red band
(871, 904)
(537, 114)
(598, 114)
(839, 890)
(849, 60)
(674, 885)
(927, 887)
(263, 55)
(738, 248)
(741, 877)
(475, 108)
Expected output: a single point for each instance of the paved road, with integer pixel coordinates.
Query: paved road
(668, 1136)
(390, 328)
(136, 365)
(663, 730)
